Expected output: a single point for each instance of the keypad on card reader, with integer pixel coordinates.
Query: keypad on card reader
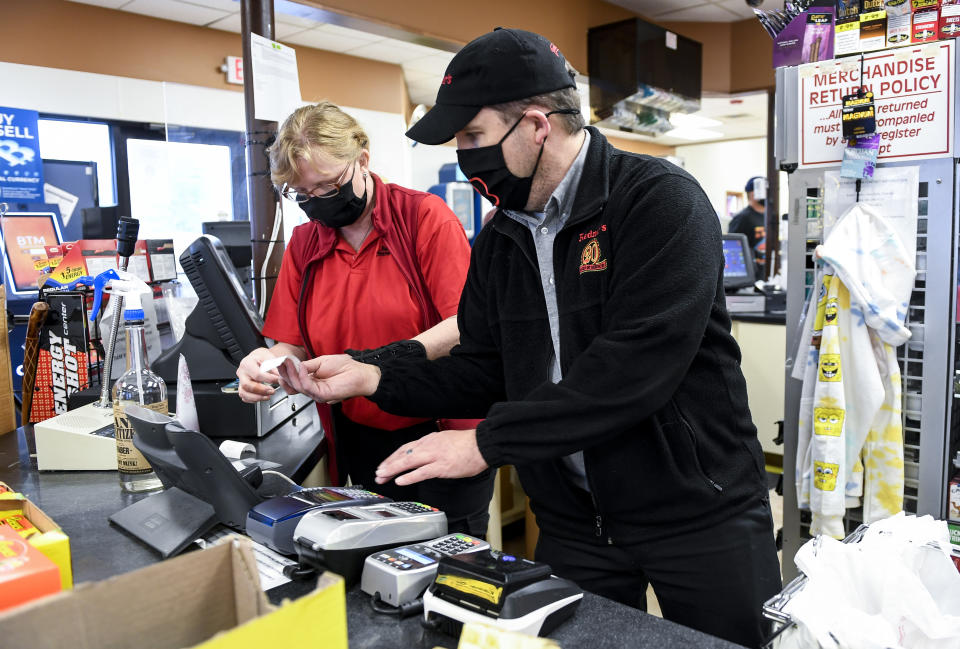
(414, 508)
(454, 544)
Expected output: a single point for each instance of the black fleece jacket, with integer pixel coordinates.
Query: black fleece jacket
(652, 391)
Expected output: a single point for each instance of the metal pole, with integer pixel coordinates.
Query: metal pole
(266, 220)
(772, 213)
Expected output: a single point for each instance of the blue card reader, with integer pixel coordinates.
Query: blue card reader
(273, 521)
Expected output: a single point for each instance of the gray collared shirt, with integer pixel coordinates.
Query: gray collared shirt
(544, 227)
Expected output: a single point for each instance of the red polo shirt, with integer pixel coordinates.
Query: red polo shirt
(361, 299)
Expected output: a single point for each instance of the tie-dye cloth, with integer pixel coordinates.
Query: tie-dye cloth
(850, 446)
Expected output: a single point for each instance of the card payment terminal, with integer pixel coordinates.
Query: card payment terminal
(273, 521)
(341, 538)
(499, 589)
(400, 575)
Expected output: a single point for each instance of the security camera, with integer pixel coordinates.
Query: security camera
(753, 3)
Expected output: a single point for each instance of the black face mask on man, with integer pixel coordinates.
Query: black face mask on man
(337, 211)
(486, 169)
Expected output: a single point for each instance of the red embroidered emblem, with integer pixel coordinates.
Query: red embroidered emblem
(590, 258)
(555, 50)
(447, 80)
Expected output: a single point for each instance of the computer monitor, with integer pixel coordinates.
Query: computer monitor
(738, 268)
(224, 326)
(24, 236)
(235, 236)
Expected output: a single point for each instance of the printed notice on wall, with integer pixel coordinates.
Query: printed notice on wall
(893, 192)
(912, 93)
(276, 82)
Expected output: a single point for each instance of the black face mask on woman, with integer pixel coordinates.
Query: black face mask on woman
(486, 169)
(337, 211)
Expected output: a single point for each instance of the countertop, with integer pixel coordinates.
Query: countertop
(81, 501)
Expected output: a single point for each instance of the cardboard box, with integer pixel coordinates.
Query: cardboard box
(209, 599)
(25, 573)
(925, 26)
(52, 542)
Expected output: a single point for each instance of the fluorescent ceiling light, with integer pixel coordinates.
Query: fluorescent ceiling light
(693, 121)
(693, 134)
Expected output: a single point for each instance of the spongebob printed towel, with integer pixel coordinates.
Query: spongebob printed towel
(850, 445)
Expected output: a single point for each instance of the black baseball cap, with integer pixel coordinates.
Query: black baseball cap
(501, 66)
(749, 187)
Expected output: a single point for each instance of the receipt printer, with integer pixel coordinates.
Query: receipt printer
(499, 589)
(340, 539)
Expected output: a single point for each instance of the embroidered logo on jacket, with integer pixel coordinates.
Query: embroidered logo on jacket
(382, 251)
(590, 260)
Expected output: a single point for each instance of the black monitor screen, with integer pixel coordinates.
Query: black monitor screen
(224, 326)
(738, 269)
(235, 236)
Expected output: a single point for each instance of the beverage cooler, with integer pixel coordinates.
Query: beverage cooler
(915, 95)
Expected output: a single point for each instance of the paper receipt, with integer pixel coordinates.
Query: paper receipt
(276, 362)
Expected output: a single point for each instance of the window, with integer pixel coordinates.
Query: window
(81, 141)
(176, 186)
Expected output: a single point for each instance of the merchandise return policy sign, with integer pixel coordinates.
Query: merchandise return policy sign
(913, 93)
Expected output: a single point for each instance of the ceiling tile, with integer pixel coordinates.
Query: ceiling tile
(346, 32)
(288, 19)
(233, 6)
(109, 4)
(229, 24)
(435, 63)
(232, 23)
(322, 40)
(703, 13)
(178, 11)
(741, 9)
(653, 7)
(385, 51)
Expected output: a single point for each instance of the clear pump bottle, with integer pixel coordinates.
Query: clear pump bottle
(138, 385)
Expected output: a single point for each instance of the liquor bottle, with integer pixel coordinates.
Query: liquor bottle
(138, 385)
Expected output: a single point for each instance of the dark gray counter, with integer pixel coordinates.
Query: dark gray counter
(80, 502)
(761, 317)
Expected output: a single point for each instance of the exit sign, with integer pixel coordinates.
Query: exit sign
(234, 70)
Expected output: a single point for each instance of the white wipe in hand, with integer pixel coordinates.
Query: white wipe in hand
(276, 362)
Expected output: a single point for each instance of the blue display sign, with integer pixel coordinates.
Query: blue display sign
(21, 169)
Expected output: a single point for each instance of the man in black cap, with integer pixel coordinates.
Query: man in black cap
(751, 220)
(595, 341)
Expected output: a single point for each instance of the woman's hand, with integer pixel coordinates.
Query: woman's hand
(256, 385)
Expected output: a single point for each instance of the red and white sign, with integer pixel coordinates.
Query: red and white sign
(234, 70)
(913, 94)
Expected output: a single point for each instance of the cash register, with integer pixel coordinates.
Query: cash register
(222, 329)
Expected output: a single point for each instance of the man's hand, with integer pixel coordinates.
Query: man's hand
(447, 454)
(254, 384)
(333, 378)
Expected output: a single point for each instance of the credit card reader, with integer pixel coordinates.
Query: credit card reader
(341, 538)
(400, 575)
(495, 588)
(273, 521)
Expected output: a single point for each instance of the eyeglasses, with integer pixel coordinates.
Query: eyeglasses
(322, 190)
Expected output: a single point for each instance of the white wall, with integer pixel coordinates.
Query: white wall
(724, 166)
(720, 167)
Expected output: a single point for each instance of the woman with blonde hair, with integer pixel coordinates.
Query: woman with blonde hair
(378, 268)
